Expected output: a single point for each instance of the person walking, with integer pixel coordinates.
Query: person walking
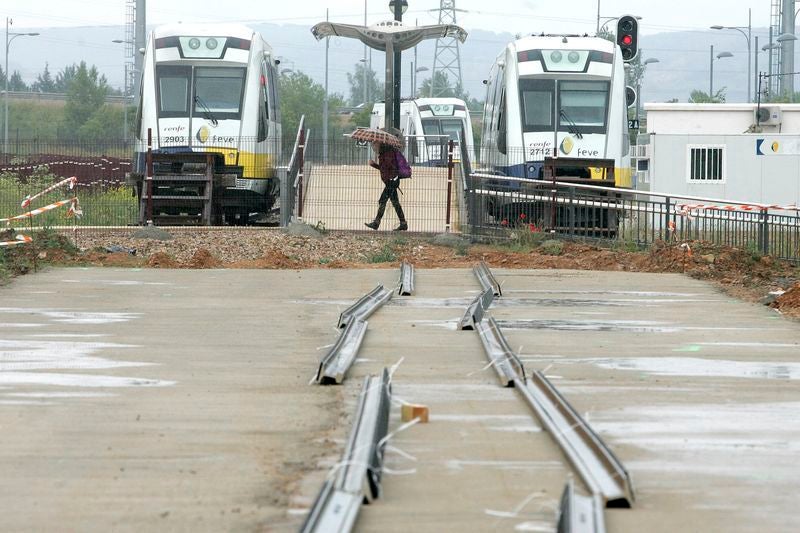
(388, 165)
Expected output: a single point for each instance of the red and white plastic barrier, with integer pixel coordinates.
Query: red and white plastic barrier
(21, 239)
(72, 202)
(69, 181)
(686, 209)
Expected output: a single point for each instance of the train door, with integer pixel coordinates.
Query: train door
(173, 92)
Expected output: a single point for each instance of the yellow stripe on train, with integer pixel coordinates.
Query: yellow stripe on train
(623, 176)
(254, 165)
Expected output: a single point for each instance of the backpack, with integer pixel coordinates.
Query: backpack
(403, 169)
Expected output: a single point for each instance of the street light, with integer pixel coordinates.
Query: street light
(125, 95)
(748, 37)
(12, 36)
(711, 70)
(403, 6)
(648, 61)
(414, 87)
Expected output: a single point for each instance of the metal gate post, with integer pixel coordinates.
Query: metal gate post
(450, 167)
(764, 240)
(667, 208)
(572, 228)
(301, 154)
(149, 177)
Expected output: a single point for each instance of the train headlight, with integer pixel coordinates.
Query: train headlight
(556, 56)
(211, 43)
(574, 57)
(194, 43)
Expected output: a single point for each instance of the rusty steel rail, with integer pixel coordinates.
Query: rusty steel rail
(476, 310)
(578, 513)
(505, 362)
(365, 306)
(486, 279)
(405, 286)
(597, 465)
(334, 366)
(357, 476)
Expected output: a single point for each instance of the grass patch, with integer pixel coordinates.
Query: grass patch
(385, 255)
(552, 247)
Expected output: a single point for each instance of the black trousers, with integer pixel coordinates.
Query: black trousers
(390, 193)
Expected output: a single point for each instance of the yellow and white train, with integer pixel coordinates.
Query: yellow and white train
(213, 88)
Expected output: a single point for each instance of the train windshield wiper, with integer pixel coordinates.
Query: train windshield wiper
(206, 111)
(573, 128)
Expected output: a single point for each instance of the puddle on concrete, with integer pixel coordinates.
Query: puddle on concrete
(649, 294)
(536, 527)
(77, 380)
(697, 367)
(749, 344)
(630, 326)
(450, 325)
(460, 464)
(21, 325)
(762, 440)
(439, 392)
(18, 355)
(59, 394)
(73, 317)
(478, 418)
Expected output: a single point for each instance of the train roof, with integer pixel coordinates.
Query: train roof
(201, 30)
(562, 42)
(443, 101)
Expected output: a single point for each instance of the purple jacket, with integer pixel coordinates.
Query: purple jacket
(387, 164)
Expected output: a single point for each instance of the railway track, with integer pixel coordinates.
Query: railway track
(602, 474)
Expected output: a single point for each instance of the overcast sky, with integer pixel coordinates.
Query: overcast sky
(515, 16)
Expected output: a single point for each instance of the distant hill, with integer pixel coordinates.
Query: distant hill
(683, 57)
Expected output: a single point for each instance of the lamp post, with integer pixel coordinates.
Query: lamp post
(648, 61)
(398, 7)
(10, 36)
(417, 71)
(747, 36)
(125, 95)
(711, 70)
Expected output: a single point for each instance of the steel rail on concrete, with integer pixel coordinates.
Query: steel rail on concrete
(486, 278)
(357, 476)
(597, 465)
(365, 306)
(334, 366)
(505, 362)
(476, 310)
(578, 513)
(599, 468)
(405, 286)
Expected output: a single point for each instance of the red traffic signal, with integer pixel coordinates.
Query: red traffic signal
(628, 36)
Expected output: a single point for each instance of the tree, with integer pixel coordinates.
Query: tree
(375, 89)
(699, 97)
(300, 95)
(64, 78)
(85, 96)
(44, 82)
(15, 82)
(442, 83)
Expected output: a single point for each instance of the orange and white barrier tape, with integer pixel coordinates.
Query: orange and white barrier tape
(21, 239)
(69, 181)
(686, 209)
(686, 248)
(74, 208)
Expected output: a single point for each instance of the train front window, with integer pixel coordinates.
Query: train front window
(218, 91)
(453, 129)
(173, 91)
(537, 104)
(585, 103)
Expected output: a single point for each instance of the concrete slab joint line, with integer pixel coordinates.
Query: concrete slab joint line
(356, 478)
(334, 366)
(505, 362)
(476, 310)
(486, 279)
(599, 468)
(578, 513)
(366, 305)
(406, 283)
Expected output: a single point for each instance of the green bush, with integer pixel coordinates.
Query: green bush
(385, 255)
(552, 247)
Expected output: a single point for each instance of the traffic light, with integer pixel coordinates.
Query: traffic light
(628, 36)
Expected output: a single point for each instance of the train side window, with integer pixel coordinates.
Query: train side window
(272, 83)
(263, 105)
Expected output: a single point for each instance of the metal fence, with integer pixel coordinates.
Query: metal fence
(333, 186)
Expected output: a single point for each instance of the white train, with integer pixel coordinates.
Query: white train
(427, 123)
(559, 97)
(213, 88)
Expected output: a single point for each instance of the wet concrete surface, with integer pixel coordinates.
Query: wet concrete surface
(180, 400)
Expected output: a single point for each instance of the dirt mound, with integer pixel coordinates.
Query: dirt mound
(789, 302)
(272, 260)
(202, 258)
(161, 260)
